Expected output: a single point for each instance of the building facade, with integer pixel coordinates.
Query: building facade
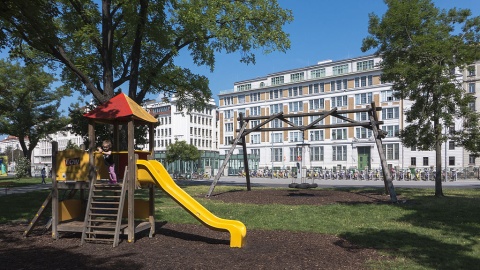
(345, 84)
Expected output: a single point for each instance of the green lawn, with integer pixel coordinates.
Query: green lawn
(422, 233)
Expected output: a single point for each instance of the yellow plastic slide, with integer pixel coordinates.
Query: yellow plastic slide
(153, 171)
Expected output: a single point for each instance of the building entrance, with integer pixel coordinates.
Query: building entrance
(363, 157)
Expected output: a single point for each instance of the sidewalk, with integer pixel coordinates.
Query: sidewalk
(18, 190)
(283, 182)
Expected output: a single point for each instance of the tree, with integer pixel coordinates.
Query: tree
(29, 108)
(182, 151)
(421, 46)
(102, 45)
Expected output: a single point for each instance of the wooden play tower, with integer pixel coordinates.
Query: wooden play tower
(78, 170)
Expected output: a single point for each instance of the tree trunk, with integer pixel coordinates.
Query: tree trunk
(438, 158)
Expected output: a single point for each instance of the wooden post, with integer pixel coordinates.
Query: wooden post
(55, 203)
(245, 157)
(151, 209)
(379, 134)
(132, 168)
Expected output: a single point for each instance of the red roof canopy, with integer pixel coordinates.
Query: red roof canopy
(120, 108)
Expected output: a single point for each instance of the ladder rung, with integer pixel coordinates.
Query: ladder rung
(105, 196)
(105, 202)
(99, 239)
(103, 220)
(104, 208)
(102, 232)
(103, 215)
(106, 227)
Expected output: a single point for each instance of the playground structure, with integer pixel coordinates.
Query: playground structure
(101, 219)
(373, 124)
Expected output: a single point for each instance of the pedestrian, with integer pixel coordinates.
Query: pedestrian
(44, 174)
(106, 150)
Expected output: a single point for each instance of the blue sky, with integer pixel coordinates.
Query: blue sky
(321, 30)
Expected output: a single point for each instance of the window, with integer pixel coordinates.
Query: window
(425, 161)
(365, 98)
(413, 161)
(295, 153)
(471, 159)
(316, 135)
(228, 127)
(296, 106)
(262, 84)
(340, 101)
(315, 117)
(365, 65)
(388, 95)
(254, 123)
(294, 91)
(254, 97)
(244, 87)
(471, 87)
(393, 130)
(361, 116)
(390, 113)
(363, 133)
(255, 152)
(241, 99)
(296, 136)
(340, 69)
(277, 137)
(451, 145)
(277, 80)
(337, 120)
(228, 140)
(255, 111)
(295, 77)
(391, 151)
(277, 154)
(339, 134)
(241, 111)
(228, 100)
(228, 114)
(316, 153)
(274, 94)
(316, 104)
(317, 73)
(315, 88)
(363, 81)
(471, 71)
(276, 108)
(298, 121)
(276, 123)
(255, 138)
(339, 152)
(451, 161)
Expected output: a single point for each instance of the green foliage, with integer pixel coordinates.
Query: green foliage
(28, 107)
(71, 145)
(22, 167)
(135, 43)
(180, 150)
(420, 46)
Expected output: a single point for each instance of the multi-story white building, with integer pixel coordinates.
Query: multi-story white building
(345, 84)
(198, 128)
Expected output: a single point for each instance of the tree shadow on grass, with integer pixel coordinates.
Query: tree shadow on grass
(423, 250)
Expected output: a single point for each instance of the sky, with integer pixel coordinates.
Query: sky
(321, 30)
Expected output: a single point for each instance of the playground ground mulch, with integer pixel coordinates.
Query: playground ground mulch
(180, 246)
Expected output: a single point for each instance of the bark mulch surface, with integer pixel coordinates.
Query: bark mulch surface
(179, 246)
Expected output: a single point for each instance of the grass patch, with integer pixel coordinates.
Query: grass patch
(21, 182)
(424, 232)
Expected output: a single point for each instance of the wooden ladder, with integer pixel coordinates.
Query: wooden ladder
(103, 216)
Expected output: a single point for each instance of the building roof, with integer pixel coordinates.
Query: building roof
(120, 108)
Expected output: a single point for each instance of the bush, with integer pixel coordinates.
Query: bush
(22, 167)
